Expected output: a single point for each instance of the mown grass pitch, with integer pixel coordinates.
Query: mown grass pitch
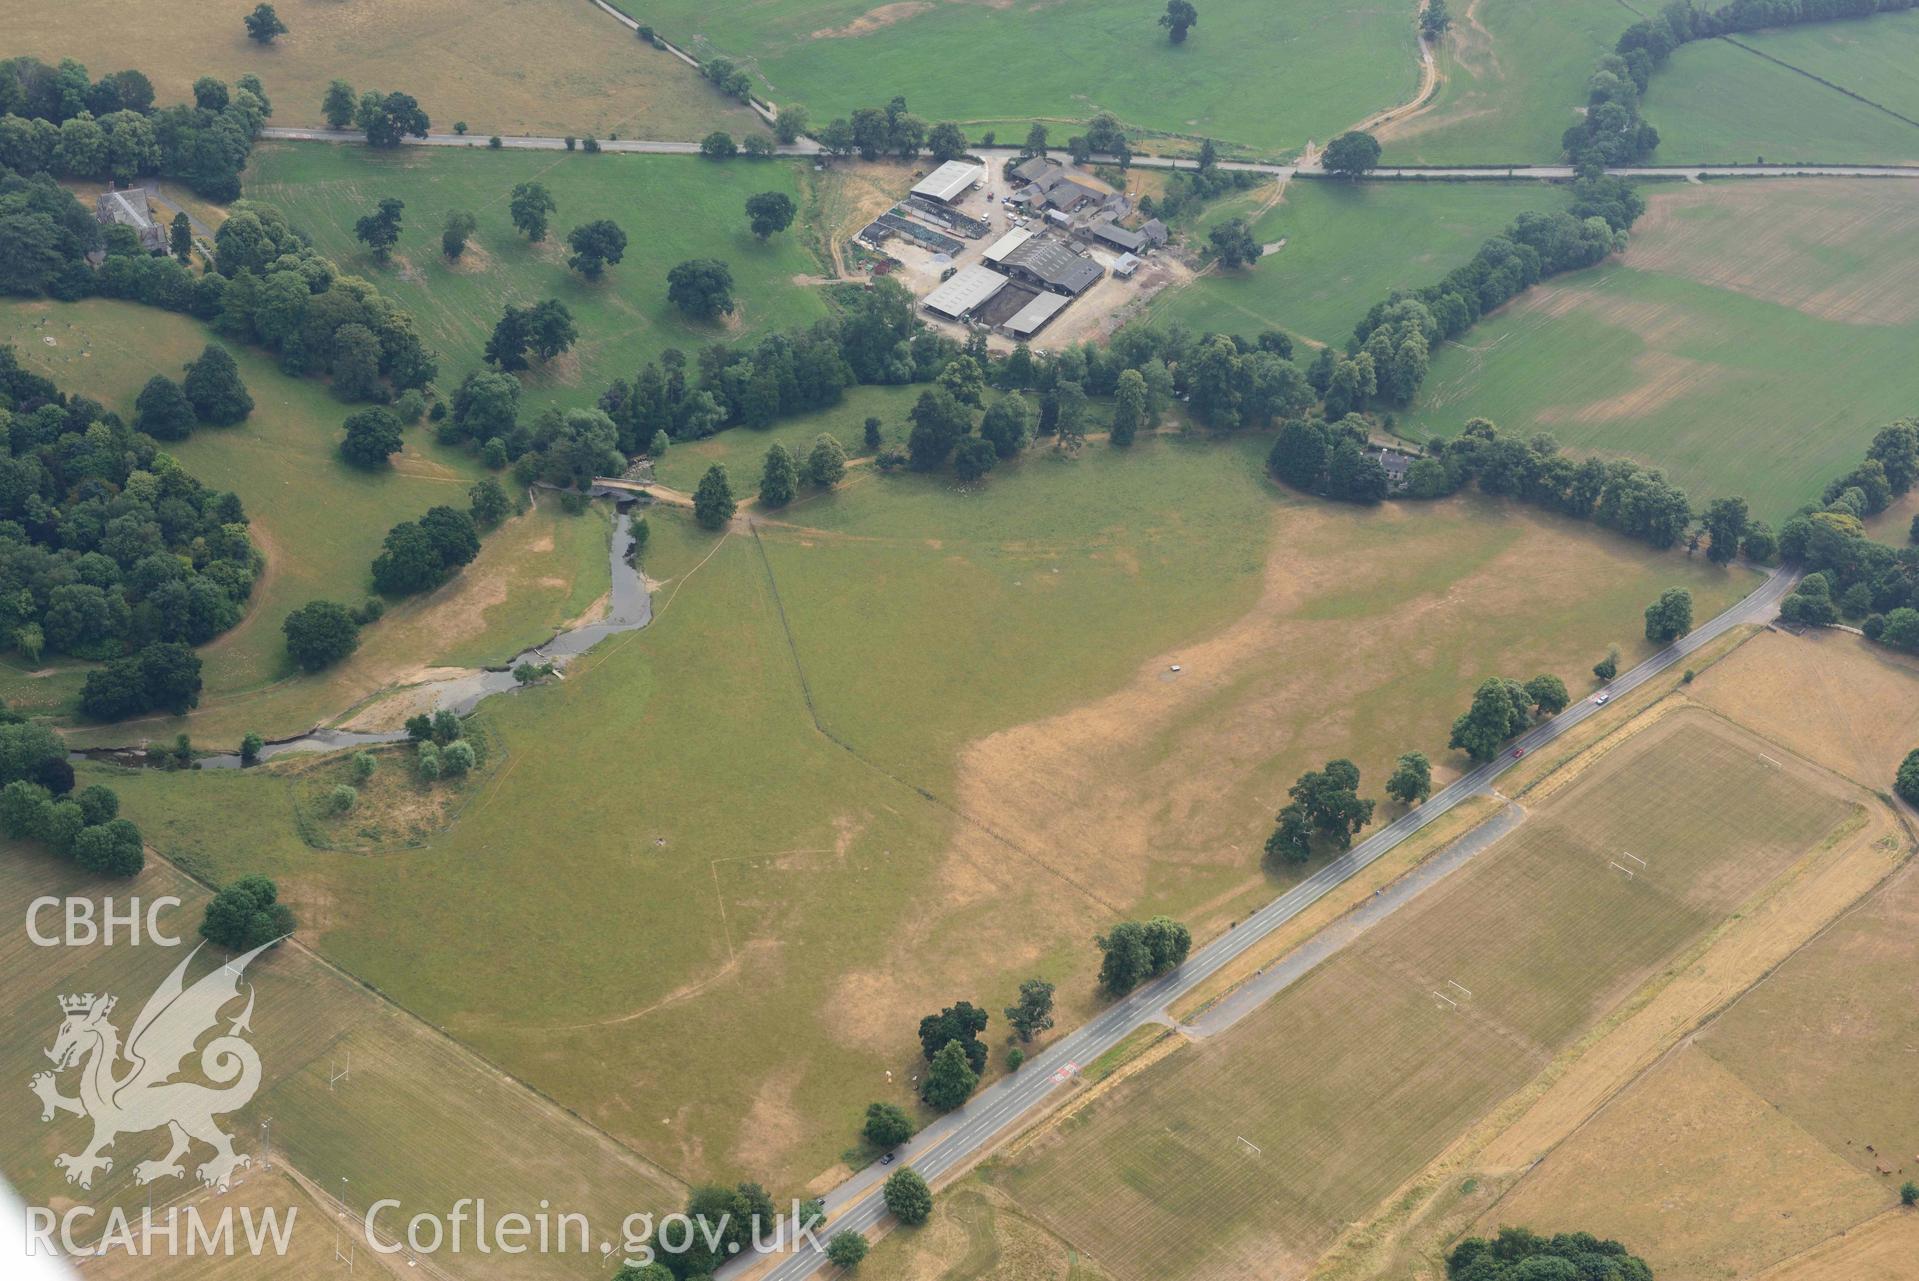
(1678, 353)
(1261, 1143)
(354, 1088)
(548, 67)
(671, 208)
(1262, 75)
(1347, 246)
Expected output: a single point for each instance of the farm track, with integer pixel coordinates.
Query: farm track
(954, 1141)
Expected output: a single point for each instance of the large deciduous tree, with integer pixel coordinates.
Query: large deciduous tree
(1180, 17)
(1351, 155)
(769, 212)
(1669, 617)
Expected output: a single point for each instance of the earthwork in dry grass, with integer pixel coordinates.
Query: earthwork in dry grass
(1750, 342)
(673, 844)
(1244, 1154)
(505, 66)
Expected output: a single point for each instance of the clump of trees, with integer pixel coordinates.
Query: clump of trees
(418, 556)
(247, 914)
(701, 288)
(38, 803)
(1325, 808)
(441, 748)
(955, 1055)
(1906, 781)
(58, 120)
(1503, 708)
(1134, 951)
(1518, 1254)
(544, 329)
(320, 634)
(372, 437)
(109, 548)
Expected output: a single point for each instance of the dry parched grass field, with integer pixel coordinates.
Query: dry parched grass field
(548, 67)
(1242, 1156)
(354, 1087)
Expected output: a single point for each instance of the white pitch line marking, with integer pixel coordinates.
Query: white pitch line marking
(1447, 999)
(1626, 870)
(1770, 761)
(1634, 857)
(1462, 987)
(1249, 1143)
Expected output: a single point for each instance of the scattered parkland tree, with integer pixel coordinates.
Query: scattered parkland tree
(339, 104)
(1608, 667)
(826, 462)
(870, 436)
(214, 389)
(1412, 779)
(1548, 694)
(950, 1080)
(713, 503)
(846, 1250)
(1725, 524)
(1909, 1194)
(246, 914)
(263, 24)
(488, 502)
(162, 410)
(596, 246)
(1034, 1012)
(1134, 951)
(1351, 155)
(1501, 708)
(1669, 617)
(320, 634)
(1233, 244)
(908, 1197)
(250, 745)
(1325, 805)
(886, 1126)
(779, 478)
(390, 119)
(1180, 17)
(1434, 21)
(769, 212)
(460, 227)
(530, 206)
(701, 288)
(372, 437)
(380, 230)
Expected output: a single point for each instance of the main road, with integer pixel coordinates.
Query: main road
(807, 147)
(960, 1136)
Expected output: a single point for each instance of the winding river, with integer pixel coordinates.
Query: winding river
(630, 608)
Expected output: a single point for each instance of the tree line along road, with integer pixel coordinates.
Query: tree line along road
(960, 1136)
(807, 147)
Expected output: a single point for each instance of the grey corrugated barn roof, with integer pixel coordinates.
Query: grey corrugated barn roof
(1054, 265)
(948, 182)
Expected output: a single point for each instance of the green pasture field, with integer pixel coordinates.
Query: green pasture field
(549, 67)
(672, 208)
(1750, 342)
(1348, 245)
(1263, 1142)
(319, 521)
(1515, 74)
(1267, 77)
(1714, 101)
(742, 450)
(354, 1087)
(671, 842)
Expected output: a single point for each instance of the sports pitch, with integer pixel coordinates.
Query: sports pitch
(1258, 1145)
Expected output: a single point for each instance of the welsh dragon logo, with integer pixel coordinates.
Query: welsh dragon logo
(131, 1089)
